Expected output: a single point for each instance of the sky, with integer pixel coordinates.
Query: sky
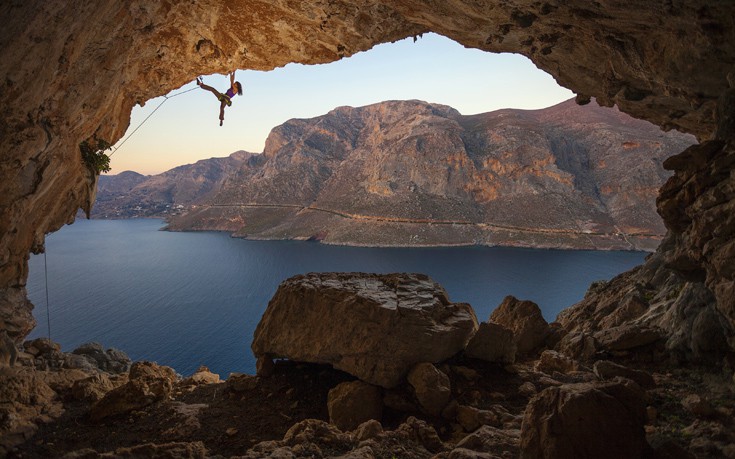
(435, 69)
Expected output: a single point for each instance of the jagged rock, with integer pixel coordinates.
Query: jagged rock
(92, 388)
(81, 362)
(352, 403)
(528, 389)
(40, 346)
(524, 319)
(493, 343)
(471, 418)
(368, 430)
(698, 406)
(431, 386)
(202, 376)
(148, 383)
(112, 360)
(552, 361)
(605, 369)
(25, 399)
(579, 345)
(626, 337)
(421, 433)
(241, 383)
(487, 441)
(375, 327)
(600, 420)
(175, 450)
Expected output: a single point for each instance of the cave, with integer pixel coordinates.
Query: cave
(74, 73)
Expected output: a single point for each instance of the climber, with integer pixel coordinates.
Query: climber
(226, 98)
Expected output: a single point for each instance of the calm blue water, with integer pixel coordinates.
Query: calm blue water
(190, 299)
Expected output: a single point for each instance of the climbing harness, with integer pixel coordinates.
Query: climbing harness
(165, 99)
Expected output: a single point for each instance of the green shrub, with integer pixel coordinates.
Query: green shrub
(94, 156)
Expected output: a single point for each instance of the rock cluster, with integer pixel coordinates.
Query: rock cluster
(375, 327)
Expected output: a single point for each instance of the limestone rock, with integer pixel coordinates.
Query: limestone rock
(25, 399)
(240, 382)
(92, 388)
(202, 376)
(487, 439)
(471, 418)
(174, 450)
(148, 383)
(698, 406)
(600, 420)
(368, 430)
(375, 327)
(625, 337)
(111, 360)
(493, 343)
(605, 369)
(421, 433)
(524, 319)
(432, 388)
(352, 403)
(552, 361)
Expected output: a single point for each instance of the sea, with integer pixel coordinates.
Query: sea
(191, 299)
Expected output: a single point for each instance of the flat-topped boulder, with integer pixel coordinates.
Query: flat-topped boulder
(373, 326)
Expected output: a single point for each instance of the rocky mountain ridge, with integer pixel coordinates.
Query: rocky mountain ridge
(130, 194)
(414, 173)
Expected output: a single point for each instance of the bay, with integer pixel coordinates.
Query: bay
(191, 299)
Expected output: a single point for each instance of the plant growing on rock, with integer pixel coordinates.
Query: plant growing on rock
(94, 156)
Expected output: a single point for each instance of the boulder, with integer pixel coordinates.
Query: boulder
(698, 406)
(625, 337)
(373, 326)
(605, 369)
(352, 403)
(524, 319)
(493, 343)
(92, 388)
(552, 361)
(600, 420)
(487, 441)
(202, 376)
(112, 360)
(431, 386)
(148, 383)
(471, 418)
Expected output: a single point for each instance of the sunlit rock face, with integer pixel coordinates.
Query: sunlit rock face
(72, 71)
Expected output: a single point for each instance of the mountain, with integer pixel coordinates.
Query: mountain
(129, 194)
(415, 173)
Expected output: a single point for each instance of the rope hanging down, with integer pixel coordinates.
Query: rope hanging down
(48, 313)
(165, 98)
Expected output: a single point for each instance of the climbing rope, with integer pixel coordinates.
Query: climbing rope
(165, 99)
(48, 312)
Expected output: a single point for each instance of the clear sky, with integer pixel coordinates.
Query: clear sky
(434, 69)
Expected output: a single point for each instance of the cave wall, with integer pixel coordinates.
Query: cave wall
(74, 70)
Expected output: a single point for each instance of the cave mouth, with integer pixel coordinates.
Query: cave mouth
(193, 116)
(430, 68)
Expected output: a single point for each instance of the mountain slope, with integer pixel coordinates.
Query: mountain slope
(129, 194)
(414, 173)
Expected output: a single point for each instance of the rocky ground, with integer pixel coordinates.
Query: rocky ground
(247, 414)
(505, 393)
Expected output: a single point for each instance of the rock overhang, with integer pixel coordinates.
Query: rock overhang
(667, 62)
